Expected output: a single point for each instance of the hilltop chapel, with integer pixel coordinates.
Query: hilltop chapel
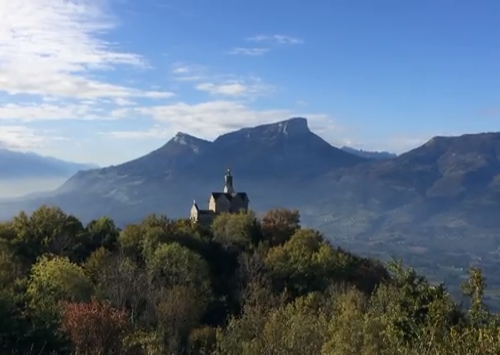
(228, 201)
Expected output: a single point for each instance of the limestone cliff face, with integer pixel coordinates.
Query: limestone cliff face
(273, 151)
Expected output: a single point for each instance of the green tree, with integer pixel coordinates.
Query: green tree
(102, 233)
(179, 310)
(26, 331)
(237, 231)
(173, 264)
(57, 279)
(182, 281)
(121, 280)
(131, 241)
(303, 264)
(141, 240)
(47, 230)
(414, 306)
(474, 288)
(297, 328)
(10, 268)
(97, 263)
(349, 333)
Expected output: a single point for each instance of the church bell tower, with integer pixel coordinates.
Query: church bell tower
(228, 186)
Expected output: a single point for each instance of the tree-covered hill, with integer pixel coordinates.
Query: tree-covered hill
(247, 286)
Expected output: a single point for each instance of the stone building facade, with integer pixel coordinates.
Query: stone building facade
(228, 201)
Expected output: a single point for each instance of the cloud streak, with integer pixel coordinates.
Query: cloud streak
(234, 86)
(52, 112)
(210, 119)
(251, 51)
(23, 138)
(237, 88)
(276, 39)
(266, 42)
(188, 72)
(51, 47)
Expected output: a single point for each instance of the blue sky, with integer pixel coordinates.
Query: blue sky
(105, 81)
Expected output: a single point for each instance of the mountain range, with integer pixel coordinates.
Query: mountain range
(368, 154)
(291, 164)
(269, 161)
(439, 201)
(21, 165)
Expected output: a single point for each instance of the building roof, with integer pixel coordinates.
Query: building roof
(243, 195)
(205, 212)
(229, 196)
(201, 212)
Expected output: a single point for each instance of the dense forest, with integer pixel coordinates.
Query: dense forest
(246, 286)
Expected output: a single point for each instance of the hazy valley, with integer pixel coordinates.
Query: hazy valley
(26, 173)
(14, 188)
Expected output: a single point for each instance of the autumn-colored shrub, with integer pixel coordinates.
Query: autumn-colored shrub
(279, 224)
(95, 327)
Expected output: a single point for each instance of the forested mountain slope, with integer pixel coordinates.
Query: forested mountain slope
(247, 285)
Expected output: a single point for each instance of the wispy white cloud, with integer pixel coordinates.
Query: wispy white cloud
(250, 51)
(276, 39)
(251, 88)
(48, 111)
(210, 119)
(23, 138)
(55, 111)
(221, 84)
(156, 132)
(124, 102)
(189, 78)
(52, 47)
(229, 89)
(266, 43)
(188, 72)
(182, 70)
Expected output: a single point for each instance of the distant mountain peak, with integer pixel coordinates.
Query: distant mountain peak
(294, 125)
(299, 122)
(184, 138)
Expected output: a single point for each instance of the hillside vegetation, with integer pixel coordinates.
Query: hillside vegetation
(246, 286)
(436, 206)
